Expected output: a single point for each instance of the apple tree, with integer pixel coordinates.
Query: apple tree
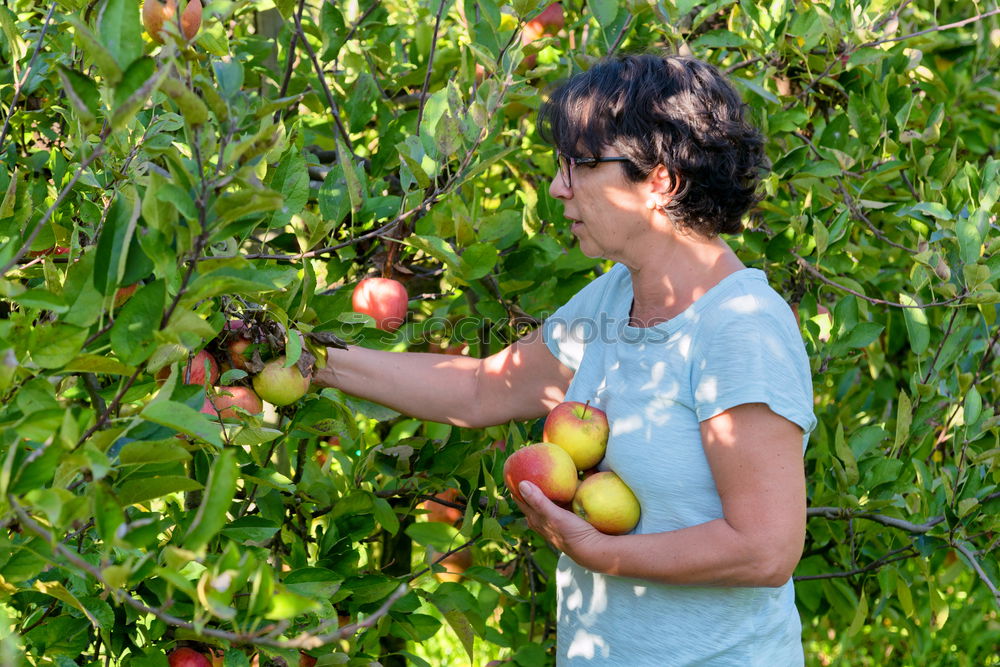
(188, 203)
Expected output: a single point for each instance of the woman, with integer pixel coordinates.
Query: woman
(697, 361)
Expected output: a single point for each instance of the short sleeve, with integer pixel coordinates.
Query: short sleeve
(569, 330)
(753, 353)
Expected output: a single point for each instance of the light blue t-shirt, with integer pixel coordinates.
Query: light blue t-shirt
(739, 343)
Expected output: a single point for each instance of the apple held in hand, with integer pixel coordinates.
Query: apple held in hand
(187, 657)
(279, 385)
(580, 429)
(382, 298)
(607, 503)
(545, 465)
(229, 398)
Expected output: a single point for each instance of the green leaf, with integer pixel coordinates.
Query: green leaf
(904, 419)
(183, 419)
(604, 11)
(213, 512)
(973, 407)
(125, 111)
(355, 189)
(120, 30)
(846, 456)
(55, 345)
(99, 364)
(158, 451)
(385, 515)
(917, 326)
(189, 105)
(137, 74)
(291, 179)
(250, 529)
(863, 335)
(434, 534)
(289, 605)
(92, 46)
(41, 299)
(478, 260)
(139, 490)
(82, 93)
(59, 592)
(970, 243)
(112, 247)
(237, 279)
(130, 335)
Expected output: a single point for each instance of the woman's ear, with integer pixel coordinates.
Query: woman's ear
(664, 185)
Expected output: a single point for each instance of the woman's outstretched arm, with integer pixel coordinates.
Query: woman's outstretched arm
(522, 381)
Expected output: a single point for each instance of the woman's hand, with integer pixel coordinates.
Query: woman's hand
(561, 528)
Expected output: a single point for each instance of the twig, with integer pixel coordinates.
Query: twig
(956, 24)
(905, 553)
(848, 514)
(974, 563)
(878, 302)
(290, 62)
(24, 78)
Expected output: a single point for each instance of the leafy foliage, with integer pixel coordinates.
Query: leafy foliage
(259, 171)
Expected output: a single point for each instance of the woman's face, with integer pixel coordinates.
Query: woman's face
(608, 212)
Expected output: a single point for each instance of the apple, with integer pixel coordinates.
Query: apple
(549, 22)
(547, 466)
(454, 564)
(235, 352)
(187, 657)
(155, 14)
(228, 398)
(384, 299)
(306, 660)
(607, 503)
(191, 19)
(194, 371)
(580, 429)
(279, 385)
(443, 513)
(124, 293)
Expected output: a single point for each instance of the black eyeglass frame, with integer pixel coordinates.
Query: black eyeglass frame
(571, 162)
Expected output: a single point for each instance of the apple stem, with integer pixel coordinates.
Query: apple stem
(585, 406)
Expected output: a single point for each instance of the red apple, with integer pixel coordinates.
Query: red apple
(123, 294)
(549, 22)
(580, 429)
(443, 513)
(235, 349)
(547, 466)
(384, 299)
(154, 15)
(607, 503)
(454, 564)
(187, 657)
(306, 660)
(194, 371)
(191, 19)
(279, 385)
(228, 398)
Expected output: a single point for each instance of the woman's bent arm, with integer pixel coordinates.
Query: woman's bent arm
(523, 381)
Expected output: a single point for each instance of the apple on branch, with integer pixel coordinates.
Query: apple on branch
(579, 428)
(201, 368)
(545, 465)
(607, 504)
(226, 399)
(384, 299)
(187, 657)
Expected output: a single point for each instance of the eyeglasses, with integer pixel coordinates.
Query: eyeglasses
(566, 164)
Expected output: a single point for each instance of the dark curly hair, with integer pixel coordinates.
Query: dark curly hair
(671, 110)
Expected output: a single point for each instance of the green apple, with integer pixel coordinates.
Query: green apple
(545, 465)
(607, 503)
(580, 429)
(279, 385)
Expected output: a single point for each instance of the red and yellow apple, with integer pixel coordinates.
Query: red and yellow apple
(443, 513)
(227, 399)
(580, 429)
(279, 385)
(194, 371)
(187, 657)
(545, 465)
(155, 14)
(607, 503)
(384, 299)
